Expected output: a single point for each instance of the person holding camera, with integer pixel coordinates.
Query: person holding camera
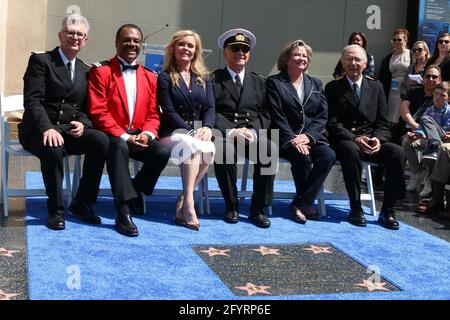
(122, 103)
(55, 122)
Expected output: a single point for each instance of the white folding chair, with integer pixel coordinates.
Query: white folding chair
(369, 196)
(12, 147)
(322, 196)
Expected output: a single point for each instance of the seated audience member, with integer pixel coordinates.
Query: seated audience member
(358, 130)
(186, 97)
(299, 111)
(122, 103)
(55, 122)
(360, 39)
(414, 104)
(435, 122)
(439, 178)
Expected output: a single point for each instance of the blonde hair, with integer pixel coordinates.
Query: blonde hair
(425, 46)
(197, 64)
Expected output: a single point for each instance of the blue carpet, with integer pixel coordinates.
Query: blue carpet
(161, 262)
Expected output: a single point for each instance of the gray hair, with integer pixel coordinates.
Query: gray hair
(74, 19)
(354, 46)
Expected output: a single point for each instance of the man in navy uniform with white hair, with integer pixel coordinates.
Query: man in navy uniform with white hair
(240, 115)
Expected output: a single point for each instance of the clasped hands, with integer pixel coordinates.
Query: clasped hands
(243, 134)
(138, 142)
(203, 133)
(301, 143)
(369, 146)
(53, 138)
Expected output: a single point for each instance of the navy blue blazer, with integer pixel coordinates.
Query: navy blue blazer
(50, 98)
(292, 116)
(181, 108)
(349, 119)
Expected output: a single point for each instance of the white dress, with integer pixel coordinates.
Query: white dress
(183, 146)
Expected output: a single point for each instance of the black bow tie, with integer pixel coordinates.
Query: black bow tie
(128, 67)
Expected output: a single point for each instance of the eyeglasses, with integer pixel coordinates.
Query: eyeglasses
(444, 41)
(237, 48)
(397, 40)
(418, 50)
(431, 76)
(75, 34)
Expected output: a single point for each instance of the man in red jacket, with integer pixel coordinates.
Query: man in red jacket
(122, 103)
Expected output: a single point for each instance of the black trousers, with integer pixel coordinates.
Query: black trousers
(93, 144)
(309, 172)
(226, 171)
(390, 157)
(154, 160)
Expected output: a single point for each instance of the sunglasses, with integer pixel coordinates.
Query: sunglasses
(237, 48)
(431, 76)
(418, 50)
(444, 41)
(397, 40)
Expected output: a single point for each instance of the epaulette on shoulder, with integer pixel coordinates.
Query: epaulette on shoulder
(259, 75)
(100, 64)
(84, 63)
(37, 52)
(148, 69)
(369, 78)
(339, 78)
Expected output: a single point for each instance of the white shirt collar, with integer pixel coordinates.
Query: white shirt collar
(359, 82)
(65, 60)
(233, 74)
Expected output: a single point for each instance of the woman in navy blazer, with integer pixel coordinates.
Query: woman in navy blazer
(300, 112)
(186, 98)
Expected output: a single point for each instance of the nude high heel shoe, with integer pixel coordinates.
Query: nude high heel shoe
(179, 217)
(192, 226)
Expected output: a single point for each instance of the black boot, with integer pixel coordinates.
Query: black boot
(124, 223)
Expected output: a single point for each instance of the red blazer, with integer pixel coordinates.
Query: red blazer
(108, 105)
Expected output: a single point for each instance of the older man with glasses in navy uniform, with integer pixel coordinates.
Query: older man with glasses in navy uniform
(55, 122)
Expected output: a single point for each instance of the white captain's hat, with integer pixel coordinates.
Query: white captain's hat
(237, 36)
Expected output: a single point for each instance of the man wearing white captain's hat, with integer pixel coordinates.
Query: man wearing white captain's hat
(240, 114)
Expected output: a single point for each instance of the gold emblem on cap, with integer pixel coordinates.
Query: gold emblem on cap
(240, 37)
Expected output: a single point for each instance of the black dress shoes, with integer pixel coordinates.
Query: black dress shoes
(260, 220)
(310, 213)
(138, 203)
(55, 221)
(297, 214)
(124, 223)
(258, 217)
(83, 212)
(231, 216)
(356, 217)
(387, 219)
